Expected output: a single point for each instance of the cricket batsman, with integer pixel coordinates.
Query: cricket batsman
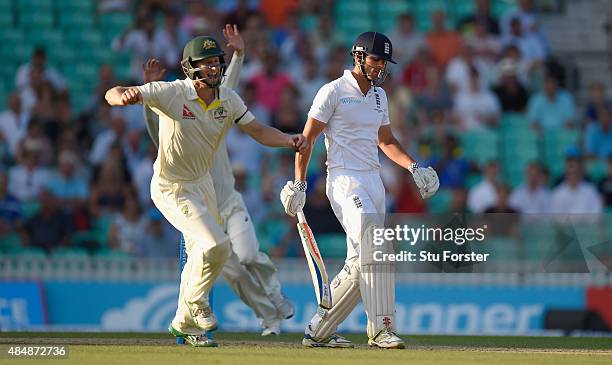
(248, 271)
(194, 117)
(352, 112)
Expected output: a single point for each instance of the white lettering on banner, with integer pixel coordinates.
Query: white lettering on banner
(151, 313)
(14, 313)
(239, 317)
(467, 312)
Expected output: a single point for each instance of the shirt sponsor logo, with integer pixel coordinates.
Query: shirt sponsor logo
(187, 114)
(350, 100)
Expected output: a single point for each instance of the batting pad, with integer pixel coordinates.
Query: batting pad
(345, 295)
(377, 286)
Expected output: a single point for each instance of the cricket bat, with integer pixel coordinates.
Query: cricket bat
(320, 281)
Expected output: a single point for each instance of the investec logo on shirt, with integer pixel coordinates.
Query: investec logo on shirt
(350, 100)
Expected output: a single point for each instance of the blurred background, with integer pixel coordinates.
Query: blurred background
(508, 100)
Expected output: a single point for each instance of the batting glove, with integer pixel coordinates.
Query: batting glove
(426, 179)
(293, 196)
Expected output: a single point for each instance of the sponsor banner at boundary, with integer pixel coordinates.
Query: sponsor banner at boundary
(420, 309)
(22, 305)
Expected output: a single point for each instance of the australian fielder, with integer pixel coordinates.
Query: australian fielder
(194, 117)
(248, 271)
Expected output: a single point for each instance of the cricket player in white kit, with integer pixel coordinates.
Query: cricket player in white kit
(248, 271)
(194, 117)
(352, 112)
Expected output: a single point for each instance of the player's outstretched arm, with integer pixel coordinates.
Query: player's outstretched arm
(121, 95)
(272, 137)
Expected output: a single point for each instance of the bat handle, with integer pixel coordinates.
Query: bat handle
(300, 216)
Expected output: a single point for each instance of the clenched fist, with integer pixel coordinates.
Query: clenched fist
(130, 96)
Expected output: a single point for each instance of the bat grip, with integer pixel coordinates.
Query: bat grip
(300, 216)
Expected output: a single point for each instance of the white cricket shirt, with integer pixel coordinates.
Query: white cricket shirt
(353, 120)
(190, 131)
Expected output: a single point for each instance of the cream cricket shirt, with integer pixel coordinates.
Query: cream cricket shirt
(353, 120)
(190, 131)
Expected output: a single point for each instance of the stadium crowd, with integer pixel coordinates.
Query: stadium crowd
(80, 178)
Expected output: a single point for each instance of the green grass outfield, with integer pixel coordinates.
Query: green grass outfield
(249, 348)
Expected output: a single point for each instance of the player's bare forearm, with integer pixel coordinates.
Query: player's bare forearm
(272, 137)
(312, 130)
(392, 148)
(120, 96)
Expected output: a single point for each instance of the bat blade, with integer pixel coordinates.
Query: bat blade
(316, 266)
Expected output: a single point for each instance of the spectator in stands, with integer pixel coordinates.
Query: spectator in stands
(575, 195)
(67, 184)
(459, 200)
(35, 137)
(177, 37)
(597, 101)
(408, 199)
(104, 141)
(551, 108)
(503, 204)
(532, 49)
(144, 41)
(240, 14)
(50, 228)
(159, 236)
(432, 94)
(324, 38)
(128, 230)
(477, 107)
(245, 151)
(288, 118)
(415, 73)
(482, 14)
(38, 62)
(486, 47)
(484, 194)
(406, 40)
(13, 123)
(270, 82)
(533, 195)
(199, 19)
(308, 84)
(106, 80)
(605, 185)
(511, 94)
(451, 166)
(28, 178)
(598, 136)
(444, 44)
(457, 73)
(523, 70)
(528, 21)
(108, 190)
(10, 210)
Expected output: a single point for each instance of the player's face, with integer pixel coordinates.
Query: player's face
(373, 66)
(209, 69)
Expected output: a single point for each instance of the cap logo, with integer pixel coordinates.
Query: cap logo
(387, 47)
(208, 44)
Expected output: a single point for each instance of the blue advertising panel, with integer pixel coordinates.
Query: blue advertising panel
(21, 305)
(419, 309)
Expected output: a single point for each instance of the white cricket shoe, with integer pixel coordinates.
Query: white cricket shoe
(334, 341)
(271, 331)
(387, 339)
(193, 340)
(205, 319)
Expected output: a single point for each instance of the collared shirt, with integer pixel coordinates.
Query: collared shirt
(551, 113)
(190, 131)
(353, 120)
(582, 199)
(530, 201)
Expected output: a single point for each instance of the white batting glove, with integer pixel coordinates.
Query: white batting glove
(426, 179)
(293, 196)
